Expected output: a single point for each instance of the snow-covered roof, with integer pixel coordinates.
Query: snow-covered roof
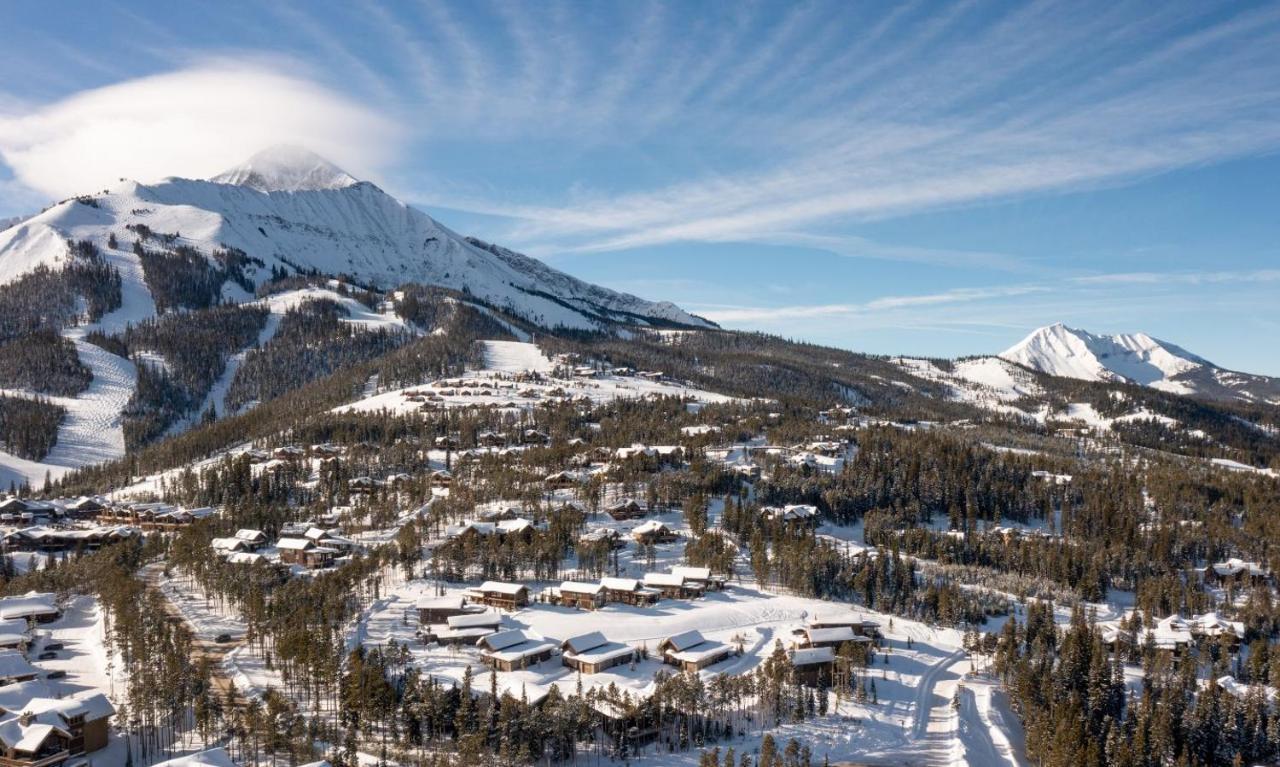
(502, 587)
(446, 602)
(685, 640)
(663, 579)
(295, 544)
(27, 737)
(1235, 566)
(650, 526)
(214, 757)
(28, 605)
(812, 655)
(836, 634)
(576, 587)
(584, 642)
(15, 697)
(692, 573)
(474, 620)
(620, 584)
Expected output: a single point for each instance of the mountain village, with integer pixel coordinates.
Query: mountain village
(480, 513)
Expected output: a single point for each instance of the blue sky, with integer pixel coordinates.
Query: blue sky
(895, 178)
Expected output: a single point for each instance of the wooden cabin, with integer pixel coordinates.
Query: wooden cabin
(504, 596)
(592, 653)
(561, 480)
(584, 596)
(305, 552)
(514, 649)
(830, 637)
(860, 625)
(672, 586)
(653, 532)
(690, 651)
(628, 508)
(814, 666)
(440, 609)
(701, 577)
(629, 591)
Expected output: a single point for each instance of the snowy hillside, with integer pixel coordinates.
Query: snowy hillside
(283, 212)
(297, 212)
(1135, 358)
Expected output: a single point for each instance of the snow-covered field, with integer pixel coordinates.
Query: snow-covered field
(494, 385)
(912, 719)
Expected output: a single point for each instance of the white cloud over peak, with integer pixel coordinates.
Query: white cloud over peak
(193, 122)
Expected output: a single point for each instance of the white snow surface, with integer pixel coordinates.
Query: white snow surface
(1136, 357)
(294, 210)
(494, 385)
(515, 357)
(987, 382)
(286, 168)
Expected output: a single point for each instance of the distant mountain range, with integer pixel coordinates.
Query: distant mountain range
(1136, 358)
(297, 212)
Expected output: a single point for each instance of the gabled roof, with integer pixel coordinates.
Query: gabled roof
(651, 526)
(620, 584)
(576, 587)
(503, 639)
(584, 642)
(692, 573)
(684, 641)
(474, 620)
(812, 655)
(30, 604)
(835, 634)
(501, 587)
(663, 579)
(28, 738)
(15, 697)
(446, 602)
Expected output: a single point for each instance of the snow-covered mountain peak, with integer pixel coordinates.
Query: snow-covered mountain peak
(291, 211)
(286, 168)
(1139, 358)
(1073, 353)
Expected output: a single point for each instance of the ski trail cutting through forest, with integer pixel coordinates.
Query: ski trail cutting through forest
(93, 430)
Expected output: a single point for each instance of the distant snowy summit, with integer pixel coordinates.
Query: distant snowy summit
(291, 210)
(286, 168)
(1137, 358)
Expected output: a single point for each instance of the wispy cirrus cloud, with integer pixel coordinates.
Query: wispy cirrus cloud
(772, 121)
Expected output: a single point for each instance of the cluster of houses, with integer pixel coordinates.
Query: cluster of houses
(792, 515)
(85, 523)
(41, 726)
(152, 516)
(1174, 635)
(464, 620)
(299, 545)
(40, 729)
(681, 583)
(1237, 571)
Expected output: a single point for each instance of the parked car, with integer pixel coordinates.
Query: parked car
(59, 674)
(47, 655)
(222, 638)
